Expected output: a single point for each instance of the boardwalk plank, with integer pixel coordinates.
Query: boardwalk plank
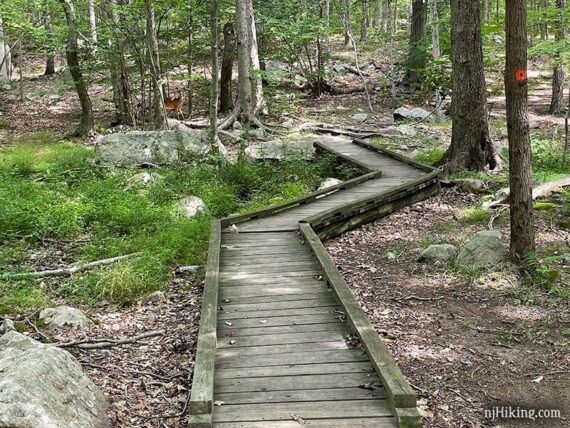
(283, 411)
(339, 394)
(306, 369)
(383, 422)
(292, 358)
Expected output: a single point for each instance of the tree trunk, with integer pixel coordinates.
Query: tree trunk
(471, 147)
(213, 134)
(245, 96)
(346, 22)
(364, 24)
(436, 49)
(119, 73)
(416, 55)
(327, 42)
(190, 56)
(255, 76)
(93, 26)
(487, 10)
(557, 100)
(544, 20)
(5, 60)
(50, 59)
(86, 124)
(516, 85)
(226, 95)
(378, 11)
(158, 113)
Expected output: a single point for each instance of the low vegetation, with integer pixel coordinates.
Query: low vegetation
(59, 208)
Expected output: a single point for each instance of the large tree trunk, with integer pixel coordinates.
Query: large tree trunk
(255, 76)
(416, 55)
(190, 56)
(378, 12)
(226, 95)
(471, 147)
(557, 100)
(93, 26)
(213, 134)
(245, 96)
(86, 124)
(327, 42)
(158, 113)
(516, 85)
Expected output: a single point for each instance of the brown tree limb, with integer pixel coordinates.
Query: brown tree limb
(108, 343)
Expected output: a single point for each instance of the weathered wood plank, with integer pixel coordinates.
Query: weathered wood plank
(289, 304)
(382, 422)
(319, 409)
(227, 360)
(203, 381)
(223, 355)
(306, 369)
(339, 394)
(399, 391)
(279, 313)
(272, 289)
(294, 320)
(233, 332)
(332, 333)
(286, 383)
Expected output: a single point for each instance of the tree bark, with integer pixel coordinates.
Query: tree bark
(471, 146)
(364, 24)
(347, 31)
(226, 95)
(190, 55)
(5, 60)
(119, 72)
(516, 85)
(86, 124)
(416, 55)
(255, 68)
(245, 96)
(213, 134)
(93, 26)
(557, 100)
(50, 59)
(158, 113)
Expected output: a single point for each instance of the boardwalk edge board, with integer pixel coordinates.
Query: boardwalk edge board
(321, 226)
(400, 394)
(201, 402)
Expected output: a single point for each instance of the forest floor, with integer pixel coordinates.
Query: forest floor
(465, 340)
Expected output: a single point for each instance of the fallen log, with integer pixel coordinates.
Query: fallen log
(350, 131)
(544, 189)
(108, 343)
(67, 271)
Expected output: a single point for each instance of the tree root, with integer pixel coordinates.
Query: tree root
(108, 343)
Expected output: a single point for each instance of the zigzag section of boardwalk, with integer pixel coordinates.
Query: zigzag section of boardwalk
(283, 342)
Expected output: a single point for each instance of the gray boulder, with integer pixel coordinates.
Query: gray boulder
(156, 147)
(415, 113)
(329, 182)
(191, 206)
(43, 386)
(280, 149)
(65, 316)
(485, 250)
(443, 253)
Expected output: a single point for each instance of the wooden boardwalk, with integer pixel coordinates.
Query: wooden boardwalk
(283, 342)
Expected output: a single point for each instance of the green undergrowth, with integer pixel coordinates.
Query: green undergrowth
(57, 205)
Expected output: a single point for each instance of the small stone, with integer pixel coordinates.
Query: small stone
(360, 117)
(442, 253)
(6, 326)
(237, 126)
(472, 185)
(156, 297)
(65, 316)
(329, 182)
(143, 179)
(191, 206)
(415, 114)
(407, 130)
